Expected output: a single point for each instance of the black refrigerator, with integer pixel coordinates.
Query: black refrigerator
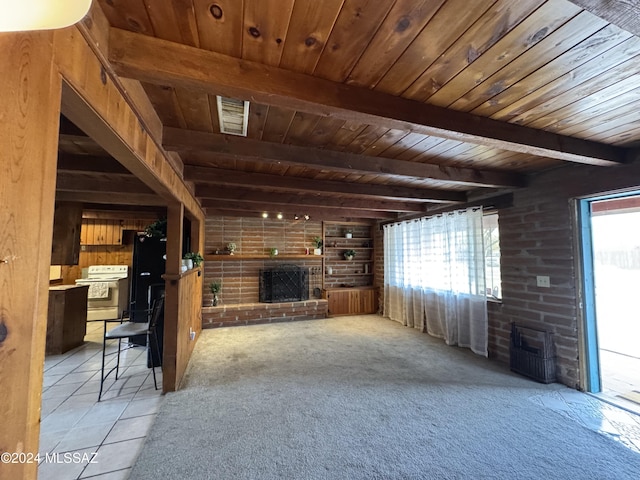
(149, 260)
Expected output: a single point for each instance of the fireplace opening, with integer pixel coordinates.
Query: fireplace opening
(286, 283)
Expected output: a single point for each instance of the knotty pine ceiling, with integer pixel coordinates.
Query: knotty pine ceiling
(374, 109)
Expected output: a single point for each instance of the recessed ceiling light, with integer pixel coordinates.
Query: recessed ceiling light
(279, 216)
(265, 215)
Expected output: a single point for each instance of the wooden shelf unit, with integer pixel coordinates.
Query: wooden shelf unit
(349, 287)
(236, 258)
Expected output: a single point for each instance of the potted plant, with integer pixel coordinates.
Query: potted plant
(317, 243)
(231, 247)
(195, 257)
(215, 288)
(349, 254)
(157, 229)
(348, 233)
(273, 252)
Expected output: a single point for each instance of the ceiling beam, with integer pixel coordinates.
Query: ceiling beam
(111, 198)
(317, 216)
(213, 144)
(167, 63)
(113, 183)
(304, 200)
(90, 164)
(623, 14)
(317, 213)
(221, 176)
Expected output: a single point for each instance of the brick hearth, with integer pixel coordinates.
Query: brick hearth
(255, 313)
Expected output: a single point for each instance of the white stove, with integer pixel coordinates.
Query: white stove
(108, 291)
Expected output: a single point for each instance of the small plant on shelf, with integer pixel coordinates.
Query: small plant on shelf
(273, 252)
(195, 257)
(349, 254)
(317, 243)
(215, 288)
(231, 247)
(348, 233)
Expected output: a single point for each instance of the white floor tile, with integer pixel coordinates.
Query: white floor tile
(113, 457)
(130, 428)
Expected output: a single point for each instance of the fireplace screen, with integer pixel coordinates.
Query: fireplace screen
(286, 283)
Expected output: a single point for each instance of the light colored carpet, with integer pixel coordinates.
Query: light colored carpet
(362, 398)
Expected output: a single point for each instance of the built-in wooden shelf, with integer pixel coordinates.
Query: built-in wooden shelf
(235, 258)
(348, 275)
(347, 247)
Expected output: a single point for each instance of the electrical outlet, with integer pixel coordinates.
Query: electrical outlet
(543, 281)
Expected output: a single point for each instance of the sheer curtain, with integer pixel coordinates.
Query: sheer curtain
(434, 277)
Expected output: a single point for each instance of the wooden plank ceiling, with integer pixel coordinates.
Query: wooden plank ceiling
(374, 109)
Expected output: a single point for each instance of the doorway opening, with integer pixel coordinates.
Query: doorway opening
(611, 265)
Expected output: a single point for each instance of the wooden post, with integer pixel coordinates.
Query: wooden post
(175, 221)
(29, 121)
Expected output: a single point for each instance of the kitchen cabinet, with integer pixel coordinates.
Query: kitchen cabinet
(101, 232)
(66, 318)
(67, 221)
(351, 301)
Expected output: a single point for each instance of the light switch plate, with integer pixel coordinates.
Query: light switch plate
(543, 281)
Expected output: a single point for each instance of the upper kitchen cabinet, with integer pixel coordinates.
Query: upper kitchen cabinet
(65, 249)
(101, 232)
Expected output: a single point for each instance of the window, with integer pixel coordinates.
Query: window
(492, 255)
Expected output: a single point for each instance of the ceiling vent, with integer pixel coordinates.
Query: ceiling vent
(233, 115)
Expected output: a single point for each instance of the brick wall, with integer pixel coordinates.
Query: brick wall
(538, 237)
(253, 313)
(256, 236)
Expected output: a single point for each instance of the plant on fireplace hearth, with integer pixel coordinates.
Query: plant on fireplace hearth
(215, 288)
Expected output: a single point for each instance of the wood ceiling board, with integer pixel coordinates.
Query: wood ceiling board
(346, 134)
(627, 133)
(174, 21)
(431, 154)
(444, 28)
(166, 104)
(357, 23)
(594, 46)
(599, 71)
(310, 26)
(130, 15)
(415, 152)
(219, 145)
(526, 35)
(402, 145)
(403, 23)
(308, 199)
(599, 112)
(365, 139)
(325, 130)
(223, 34)
(599, 90)
(614, 121)
(555, 44)
(386, 141)
(213, 111)
(301, 128)
(239, 178)
(196, 109)
(277, 124)
(495, 23)
(624, 14)
(257, 118)
(264, 30)
(207, 71)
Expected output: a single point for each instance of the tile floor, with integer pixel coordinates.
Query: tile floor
(110, 433)
(85, 438)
